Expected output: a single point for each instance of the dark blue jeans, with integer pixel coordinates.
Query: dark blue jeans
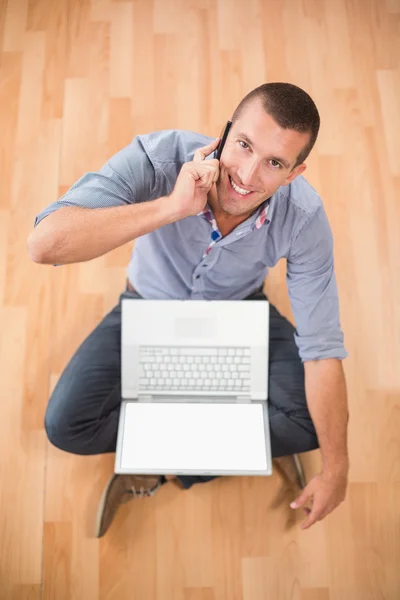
(83, 411)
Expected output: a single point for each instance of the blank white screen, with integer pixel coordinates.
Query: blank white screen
(178, 436)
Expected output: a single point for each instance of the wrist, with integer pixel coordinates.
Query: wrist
(336, 466)
(168, 209)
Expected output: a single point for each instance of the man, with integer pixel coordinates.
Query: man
(208, 228)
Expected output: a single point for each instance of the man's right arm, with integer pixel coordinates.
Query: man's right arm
(75, 234)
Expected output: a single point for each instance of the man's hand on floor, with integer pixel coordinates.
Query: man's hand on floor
(325, 491)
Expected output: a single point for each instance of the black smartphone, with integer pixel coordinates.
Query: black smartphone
(223, 140)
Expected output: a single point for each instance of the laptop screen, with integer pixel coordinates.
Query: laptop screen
(161, 437)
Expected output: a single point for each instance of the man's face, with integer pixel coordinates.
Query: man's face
(258, 157)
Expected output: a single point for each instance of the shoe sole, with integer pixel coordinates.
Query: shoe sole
(100, 510)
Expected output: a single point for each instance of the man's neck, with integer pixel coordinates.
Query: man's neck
(226, 222)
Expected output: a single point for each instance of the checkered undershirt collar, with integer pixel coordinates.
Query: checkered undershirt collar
(215, 232)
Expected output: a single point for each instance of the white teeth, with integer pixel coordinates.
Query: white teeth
(238, 189)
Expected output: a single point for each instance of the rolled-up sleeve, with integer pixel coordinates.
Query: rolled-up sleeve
(128, 177)
(313, 291)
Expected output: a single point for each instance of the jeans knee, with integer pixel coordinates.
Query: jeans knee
(55, 429)
(83, 437)
(309, 444)
(59, 428)
(292, 434)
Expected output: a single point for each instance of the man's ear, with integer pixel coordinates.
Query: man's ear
(296, 171)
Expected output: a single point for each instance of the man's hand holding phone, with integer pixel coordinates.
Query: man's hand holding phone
(195, 180)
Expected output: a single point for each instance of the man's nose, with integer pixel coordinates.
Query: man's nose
(248, 172)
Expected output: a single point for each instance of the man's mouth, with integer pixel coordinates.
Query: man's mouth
(238, 190)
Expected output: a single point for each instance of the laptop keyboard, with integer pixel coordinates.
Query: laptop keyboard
(194, 369)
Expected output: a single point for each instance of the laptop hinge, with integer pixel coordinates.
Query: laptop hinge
(193, 398)
(243, 398)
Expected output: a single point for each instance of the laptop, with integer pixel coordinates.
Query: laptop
(194, 379)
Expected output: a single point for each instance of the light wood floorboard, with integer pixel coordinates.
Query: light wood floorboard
(80, 78)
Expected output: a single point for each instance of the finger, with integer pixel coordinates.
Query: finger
(312, 518)
(203, 171)
(206, 180)
(326, 512)
(212, 179)
(214, 164)
(201, 153)
(302, 499)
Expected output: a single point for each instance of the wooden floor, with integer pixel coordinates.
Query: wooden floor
(80, 78)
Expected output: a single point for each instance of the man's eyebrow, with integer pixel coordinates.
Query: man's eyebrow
(279, 159)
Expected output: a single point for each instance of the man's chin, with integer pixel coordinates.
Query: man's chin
(233, 207)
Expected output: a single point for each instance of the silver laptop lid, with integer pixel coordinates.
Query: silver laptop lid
(193, 439)
(210, 341)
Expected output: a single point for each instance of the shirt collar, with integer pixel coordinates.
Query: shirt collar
(259, 217)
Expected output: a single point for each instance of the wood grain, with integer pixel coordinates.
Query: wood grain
(80, 78)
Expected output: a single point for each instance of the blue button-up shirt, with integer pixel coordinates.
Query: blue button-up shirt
(189, 260)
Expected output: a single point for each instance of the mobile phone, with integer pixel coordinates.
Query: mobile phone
(223, 140)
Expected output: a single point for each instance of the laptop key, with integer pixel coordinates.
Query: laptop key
(188, 368)
(198, 351)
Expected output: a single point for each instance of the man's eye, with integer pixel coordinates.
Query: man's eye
(276, 163)
(245, 146)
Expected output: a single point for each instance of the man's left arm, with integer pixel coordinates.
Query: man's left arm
(314, 299)
(327, 403)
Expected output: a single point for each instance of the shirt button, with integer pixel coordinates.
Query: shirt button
(197, 276)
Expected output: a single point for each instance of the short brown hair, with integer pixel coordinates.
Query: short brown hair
(291, 108)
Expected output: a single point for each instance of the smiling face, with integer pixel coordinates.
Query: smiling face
(257, 159)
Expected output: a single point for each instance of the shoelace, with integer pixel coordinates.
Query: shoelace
(142, 492)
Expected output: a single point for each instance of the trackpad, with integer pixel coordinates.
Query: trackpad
(179, 437)
(195, 328)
